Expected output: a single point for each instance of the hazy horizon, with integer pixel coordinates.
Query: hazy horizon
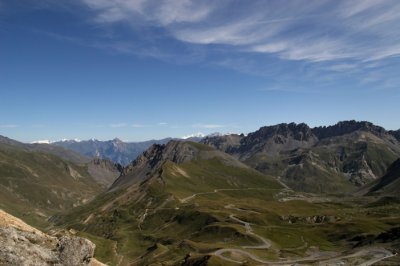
(196, 134)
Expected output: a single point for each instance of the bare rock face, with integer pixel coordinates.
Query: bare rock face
(75, 250)
(316, 219)
(22, 245)
(104, 171)
(28, 248)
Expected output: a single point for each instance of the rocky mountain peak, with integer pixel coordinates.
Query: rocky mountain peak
(175, 151)
(117, 140)
(346, 127)
(152, 160)
(300, 132)
(224, 143)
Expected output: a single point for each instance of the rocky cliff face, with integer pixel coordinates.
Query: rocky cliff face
(104, 171)
(272, 140)
(225, 143)
(21, 244)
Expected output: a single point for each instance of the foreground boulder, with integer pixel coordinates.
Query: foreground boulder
(21, 244)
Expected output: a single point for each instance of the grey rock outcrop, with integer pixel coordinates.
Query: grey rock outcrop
(30, 248)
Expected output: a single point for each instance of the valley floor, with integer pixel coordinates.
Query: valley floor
(267, 227)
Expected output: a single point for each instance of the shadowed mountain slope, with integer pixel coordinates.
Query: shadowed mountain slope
(395, 133)
(387, 185)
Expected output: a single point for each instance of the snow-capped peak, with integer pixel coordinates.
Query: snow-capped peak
(45, 141)
(215, 134)
(194, 135)
(70, 140)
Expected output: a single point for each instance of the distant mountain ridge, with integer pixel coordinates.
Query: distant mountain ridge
(62, 152)
(117, 150)
(320, 159)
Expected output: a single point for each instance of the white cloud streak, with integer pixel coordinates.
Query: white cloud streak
(161, 12)
(8, 126)
(138, 125)
(209, 126)
(304, 30)
(118, 125)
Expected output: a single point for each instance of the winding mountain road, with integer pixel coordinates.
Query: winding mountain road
(324, 257)
(185, 200)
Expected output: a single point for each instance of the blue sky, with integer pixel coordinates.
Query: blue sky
(140, 70)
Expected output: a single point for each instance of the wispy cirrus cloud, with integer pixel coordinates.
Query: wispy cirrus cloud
(8, 125)
(316, 40)
(306, 30)
(209, 126)
(138, 125)
(161, 12)
(118, 125)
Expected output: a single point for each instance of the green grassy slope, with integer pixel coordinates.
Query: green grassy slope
(35, 185)
(61, 152)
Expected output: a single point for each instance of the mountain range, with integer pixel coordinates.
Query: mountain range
(321, 159)
(282, 195)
